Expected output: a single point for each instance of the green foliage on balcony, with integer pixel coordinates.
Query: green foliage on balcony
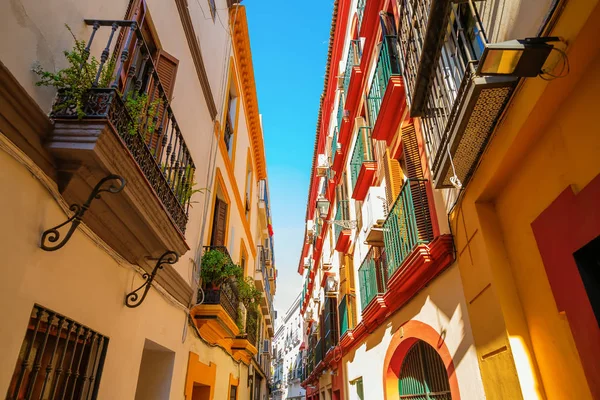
(363, 152)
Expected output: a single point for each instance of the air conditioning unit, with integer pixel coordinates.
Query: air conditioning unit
(322, 165)
(374, 213)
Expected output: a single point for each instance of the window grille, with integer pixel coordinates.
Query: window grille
(59, 359)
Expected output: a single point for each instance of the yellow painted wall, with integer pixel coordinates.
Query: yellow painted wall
(547, 141)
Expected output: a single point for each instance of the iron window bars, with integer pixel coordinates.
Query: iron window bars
(59, 359)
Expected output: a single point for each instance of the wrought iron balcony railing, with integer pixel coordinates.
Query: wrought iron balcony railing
(342, 213)
(360, 10)
(340, 110)
(319, 351)
(440, 44)
(372, 275)
(334, 144)
(226, 295)
(353, 60)
(330, 324)
(408, 224)
(387, 65)
(346, 313)
(363, 152)
(153, 138)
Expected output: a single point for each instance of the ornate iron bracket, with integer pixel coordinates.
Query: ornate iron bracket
(133, 300)
(52, 235)
(346, 224)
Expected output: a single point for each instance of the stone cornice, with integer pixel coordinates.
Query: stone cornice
(243, 58)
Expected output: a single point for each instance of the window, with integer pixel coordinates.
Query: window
(219, 226)
(358, 385)
(423, 374)
(230, 118)
(248, 204)
(59, 358)
(233, 392)
(213, 9)
(588, 263)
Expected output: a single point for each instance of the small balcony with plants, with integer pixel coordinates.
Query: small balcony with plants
(440, 45)
(226, 312)
(363, 166)
(114, 127)
(385, 101)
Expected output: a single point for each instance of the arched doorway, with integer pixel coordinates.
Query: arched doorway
(423, 374)
(401, 358)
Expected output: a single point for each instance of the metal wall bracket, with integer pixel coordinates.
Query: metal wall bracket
(52, 235)
(133, 300)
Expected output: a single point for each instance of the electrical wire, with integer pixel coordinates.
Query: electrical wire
(561, 74)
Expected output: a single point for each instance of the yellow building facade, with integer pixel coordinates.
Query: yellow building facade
(102, 295)
(532, 323)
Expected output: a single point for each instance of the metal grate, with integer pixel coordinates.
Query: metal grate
(401, 232)
(342, 213)
(363, 152)
(155, 140)
(387, 65)
(372, 275)
(59, 359)
(360, 10)
(353, 60)
(423, 375)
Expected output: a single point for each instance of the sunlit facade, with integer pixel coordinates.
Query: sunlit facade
(427, 254)
(158, 116)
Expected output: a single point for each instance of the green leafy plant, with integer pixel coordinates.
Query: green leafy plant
(217, 267)
(249, 294)
(76, 79)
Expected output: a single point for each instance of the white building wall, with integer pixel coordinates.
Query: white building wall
(441, 305)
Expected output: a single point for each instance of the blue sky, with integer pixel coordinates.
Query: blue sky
(289, 41)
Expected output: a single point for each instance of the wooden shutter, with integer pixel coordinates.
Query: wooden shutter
(393, 178)
(166, 67)
(219, 224)
(418, 187)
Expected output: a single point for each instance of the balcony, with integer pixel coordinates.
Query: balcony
(346, 314)
(263, 281)
(372, 276)
(385, 101)
(101, 137)
(408, 224)
(263, 207)
(335, 152)
(330, 325)
(319, 351)
(363, 166)
(352, 75)
(459, 110)
(342, 229)
(374, 214)
(360, 10)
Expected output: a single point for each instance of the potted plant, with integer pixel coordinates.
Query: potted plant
(216, 268)
(249, 294)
